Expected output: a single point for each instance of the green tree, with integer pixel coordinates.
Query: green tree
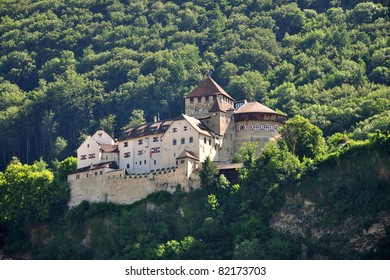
(137, 117)
(303, 138)
(25, 192)
(208, 174)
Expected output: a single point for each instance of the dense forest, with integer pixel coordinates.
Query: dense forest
(68, 67)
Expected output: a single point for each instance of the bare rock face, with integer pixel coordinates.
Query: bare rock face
(348, 238)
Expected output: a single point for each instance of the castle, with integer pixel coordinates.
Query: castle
(164, 155)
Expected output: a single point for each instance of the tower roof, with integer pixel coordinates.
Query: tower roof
(254, 107)
(208, 87)
(217, 107)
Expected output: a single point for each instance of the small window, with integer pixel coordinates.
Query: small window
(145, 161)
(101, 172)
(182, 161)
(199, 99)
(183, 140)
(191, 139)
(209, 141)
(185, 128)
(207, 99)
(91, 156)
(82, 157)
(191, 100)
(86, 175)
(266, 127)
(126, 144)
(77, 176)
(204, 140)
(140, 153)
(155, 162)
(276, 127)
(174, 142)
(128, 165)
(140, 142)
(87, 145)
(140, 162)
(155, 139)
(126, 155)
(96, 173)
(174, 129)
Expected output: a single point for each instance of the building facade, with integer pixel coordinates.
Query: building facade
(166, 155)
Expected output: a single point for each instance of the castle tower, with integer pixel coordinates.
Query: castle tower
(255, 122)
(199, 101)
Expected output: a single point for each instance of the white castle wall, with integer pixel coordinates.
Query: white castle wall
(116, 187)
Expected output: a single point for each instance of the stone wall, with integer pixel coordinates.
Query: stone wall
(116, 187)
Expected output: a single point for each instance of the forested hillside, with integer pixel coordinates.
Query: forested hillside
(67, 66)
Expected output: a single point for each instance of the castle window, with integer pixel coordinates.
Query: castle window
(83, 157)
(174, 129)
(140, 142)
(155, 139)
(91, 156)
(199, 99)
(126, 155)
(126, 144)
(77, 176)
(174, 142)
(145, 161)
(204, 140)
(146, 142)
(153, 129)
(140, 153)
(256, 127)
(128, 166)
(87, 145)
(191, 100)
(276, 127)
(185, 128)
(191, 139)
(207, 99)
(101, 172)
(209, 141)
(182, 161)
(86, 175)
(140, 162)
(183, 140)
(266, 127)
(96, 173)
(155, 162)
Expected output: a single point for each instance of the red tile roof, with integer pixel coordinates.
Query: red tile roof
(208, 87)
(217, 107)
(254, 107)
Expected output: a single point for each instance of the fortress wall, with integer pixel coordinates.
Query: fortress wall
(115, 187)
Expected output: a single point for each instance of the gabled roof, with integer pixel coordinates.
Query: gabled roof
(108, 164)
(254, 107)
(217, 107)
(187, 154)
(145, 129)
(109, 148)
(208, 87)
(198, 125)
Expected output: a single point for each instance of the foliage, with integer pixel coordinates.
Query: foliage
(208, 174)
(303, 138)
(26, 193)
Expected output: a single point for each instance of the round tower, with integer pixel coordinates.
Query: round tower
(255, 122)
